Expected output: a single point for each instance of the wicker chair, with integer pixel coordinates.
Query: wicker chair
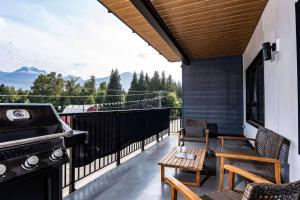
(260, 189)
(269, 159)
(194, 131)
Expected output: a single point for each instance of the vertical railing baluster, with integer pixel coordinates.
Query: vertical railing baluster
(143, 145)
(71, 168)
(118, 133)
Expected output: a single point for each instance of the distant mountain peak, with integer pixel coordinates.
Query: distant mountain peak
(32, 70)
(29, 74)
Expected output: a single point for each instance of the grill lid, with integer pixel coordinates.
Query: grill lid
(22, 122)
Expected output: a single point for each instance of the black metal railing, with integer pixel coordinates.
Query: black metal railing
(114, 124)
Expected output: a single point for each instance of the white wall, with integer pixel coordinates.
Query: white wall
(281, 99)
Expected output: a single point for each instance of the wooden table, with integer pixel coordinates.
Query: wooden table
(196, 165)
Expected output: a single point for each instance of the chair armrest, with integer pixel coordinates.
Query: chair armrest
(206, 131)
(177, 186)
(223, 138)
(246, 174)
(247, 157)
(181, 131)
(235, 138)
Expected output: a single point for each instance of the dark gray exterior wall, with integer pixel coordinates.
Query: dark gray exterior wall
(213, 90)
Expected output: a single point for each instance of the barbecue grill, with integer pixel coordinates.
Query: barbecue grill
(32, 150)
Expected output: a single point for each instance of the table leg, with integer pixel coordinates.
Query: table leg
(230, 180)
(162, 173)
(222, 161)
(173, 193)
(198, 178)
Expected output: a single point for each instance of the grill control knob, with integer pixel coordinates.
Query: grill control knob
(2, 169)
(56, 154)
(31, 162)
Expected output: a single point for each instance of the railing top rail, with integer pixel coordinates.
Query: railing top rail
(115, 111)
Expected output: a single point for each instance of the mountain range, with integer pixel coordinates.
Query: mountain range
(23, 78)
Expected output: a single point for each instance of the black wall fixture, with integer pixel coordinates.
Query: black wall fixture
(267, 49)
(148, 11)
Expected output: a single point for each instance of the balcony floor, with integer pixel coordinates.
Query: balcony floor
(139, 177)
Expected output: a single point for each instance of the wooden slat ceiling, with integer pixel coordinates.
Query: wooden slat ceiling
(202, 28)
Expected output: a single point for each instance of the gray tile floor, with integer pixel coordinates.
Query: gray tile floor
(139, 178)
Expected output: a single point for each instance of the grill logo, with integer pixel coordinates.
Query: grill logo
(19, 113)
(16, 115)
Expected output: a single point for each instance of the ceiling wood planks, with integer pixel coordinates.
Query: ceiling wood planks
(202, 28)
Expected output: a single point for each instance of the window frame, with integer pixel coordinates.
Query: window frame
(297, 11)
(252, 89)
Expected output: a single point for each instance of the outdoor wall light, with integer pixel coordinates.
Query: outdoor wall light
(269, 50)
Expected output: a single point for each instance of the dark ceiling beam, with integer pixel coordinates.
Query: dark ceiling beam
(151, 15)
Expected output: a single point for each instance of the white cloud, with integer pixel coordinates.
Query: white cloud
(76, 45)
(2, 22)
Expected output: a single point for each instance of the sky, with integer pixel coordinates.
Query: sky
(73, 37)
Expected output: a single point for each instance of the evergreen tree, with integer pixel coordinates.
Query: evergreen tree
(141, 82)
(154, 85)
(163, 81)
(142, 87)
(169, 84)
(147, 81)
(178, 90)
(101, 92)
(134, 83)
(103, 86)
(3, 91)
(134, 86)
(155, 82)
(72, 88)
(89, 88)
(114, 88)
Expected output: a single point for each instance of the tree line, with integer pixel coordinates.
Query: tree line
(144, 92)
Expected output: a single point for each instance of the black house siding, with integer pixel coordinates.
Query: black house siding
(213, 90)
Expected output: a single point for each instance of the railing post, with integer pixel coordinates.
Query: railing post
(71, 166)
(71, 172)
(118, 129)
(157, 137)
(118, 158)
(143, 145)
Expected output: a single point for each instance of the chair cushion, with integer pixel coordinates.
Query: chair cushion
(194, 131)
(223, 195)
(192, 139)
(239, 151)
(261, 169)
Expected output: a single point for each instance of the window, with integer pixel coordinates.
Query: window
(255, 94)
